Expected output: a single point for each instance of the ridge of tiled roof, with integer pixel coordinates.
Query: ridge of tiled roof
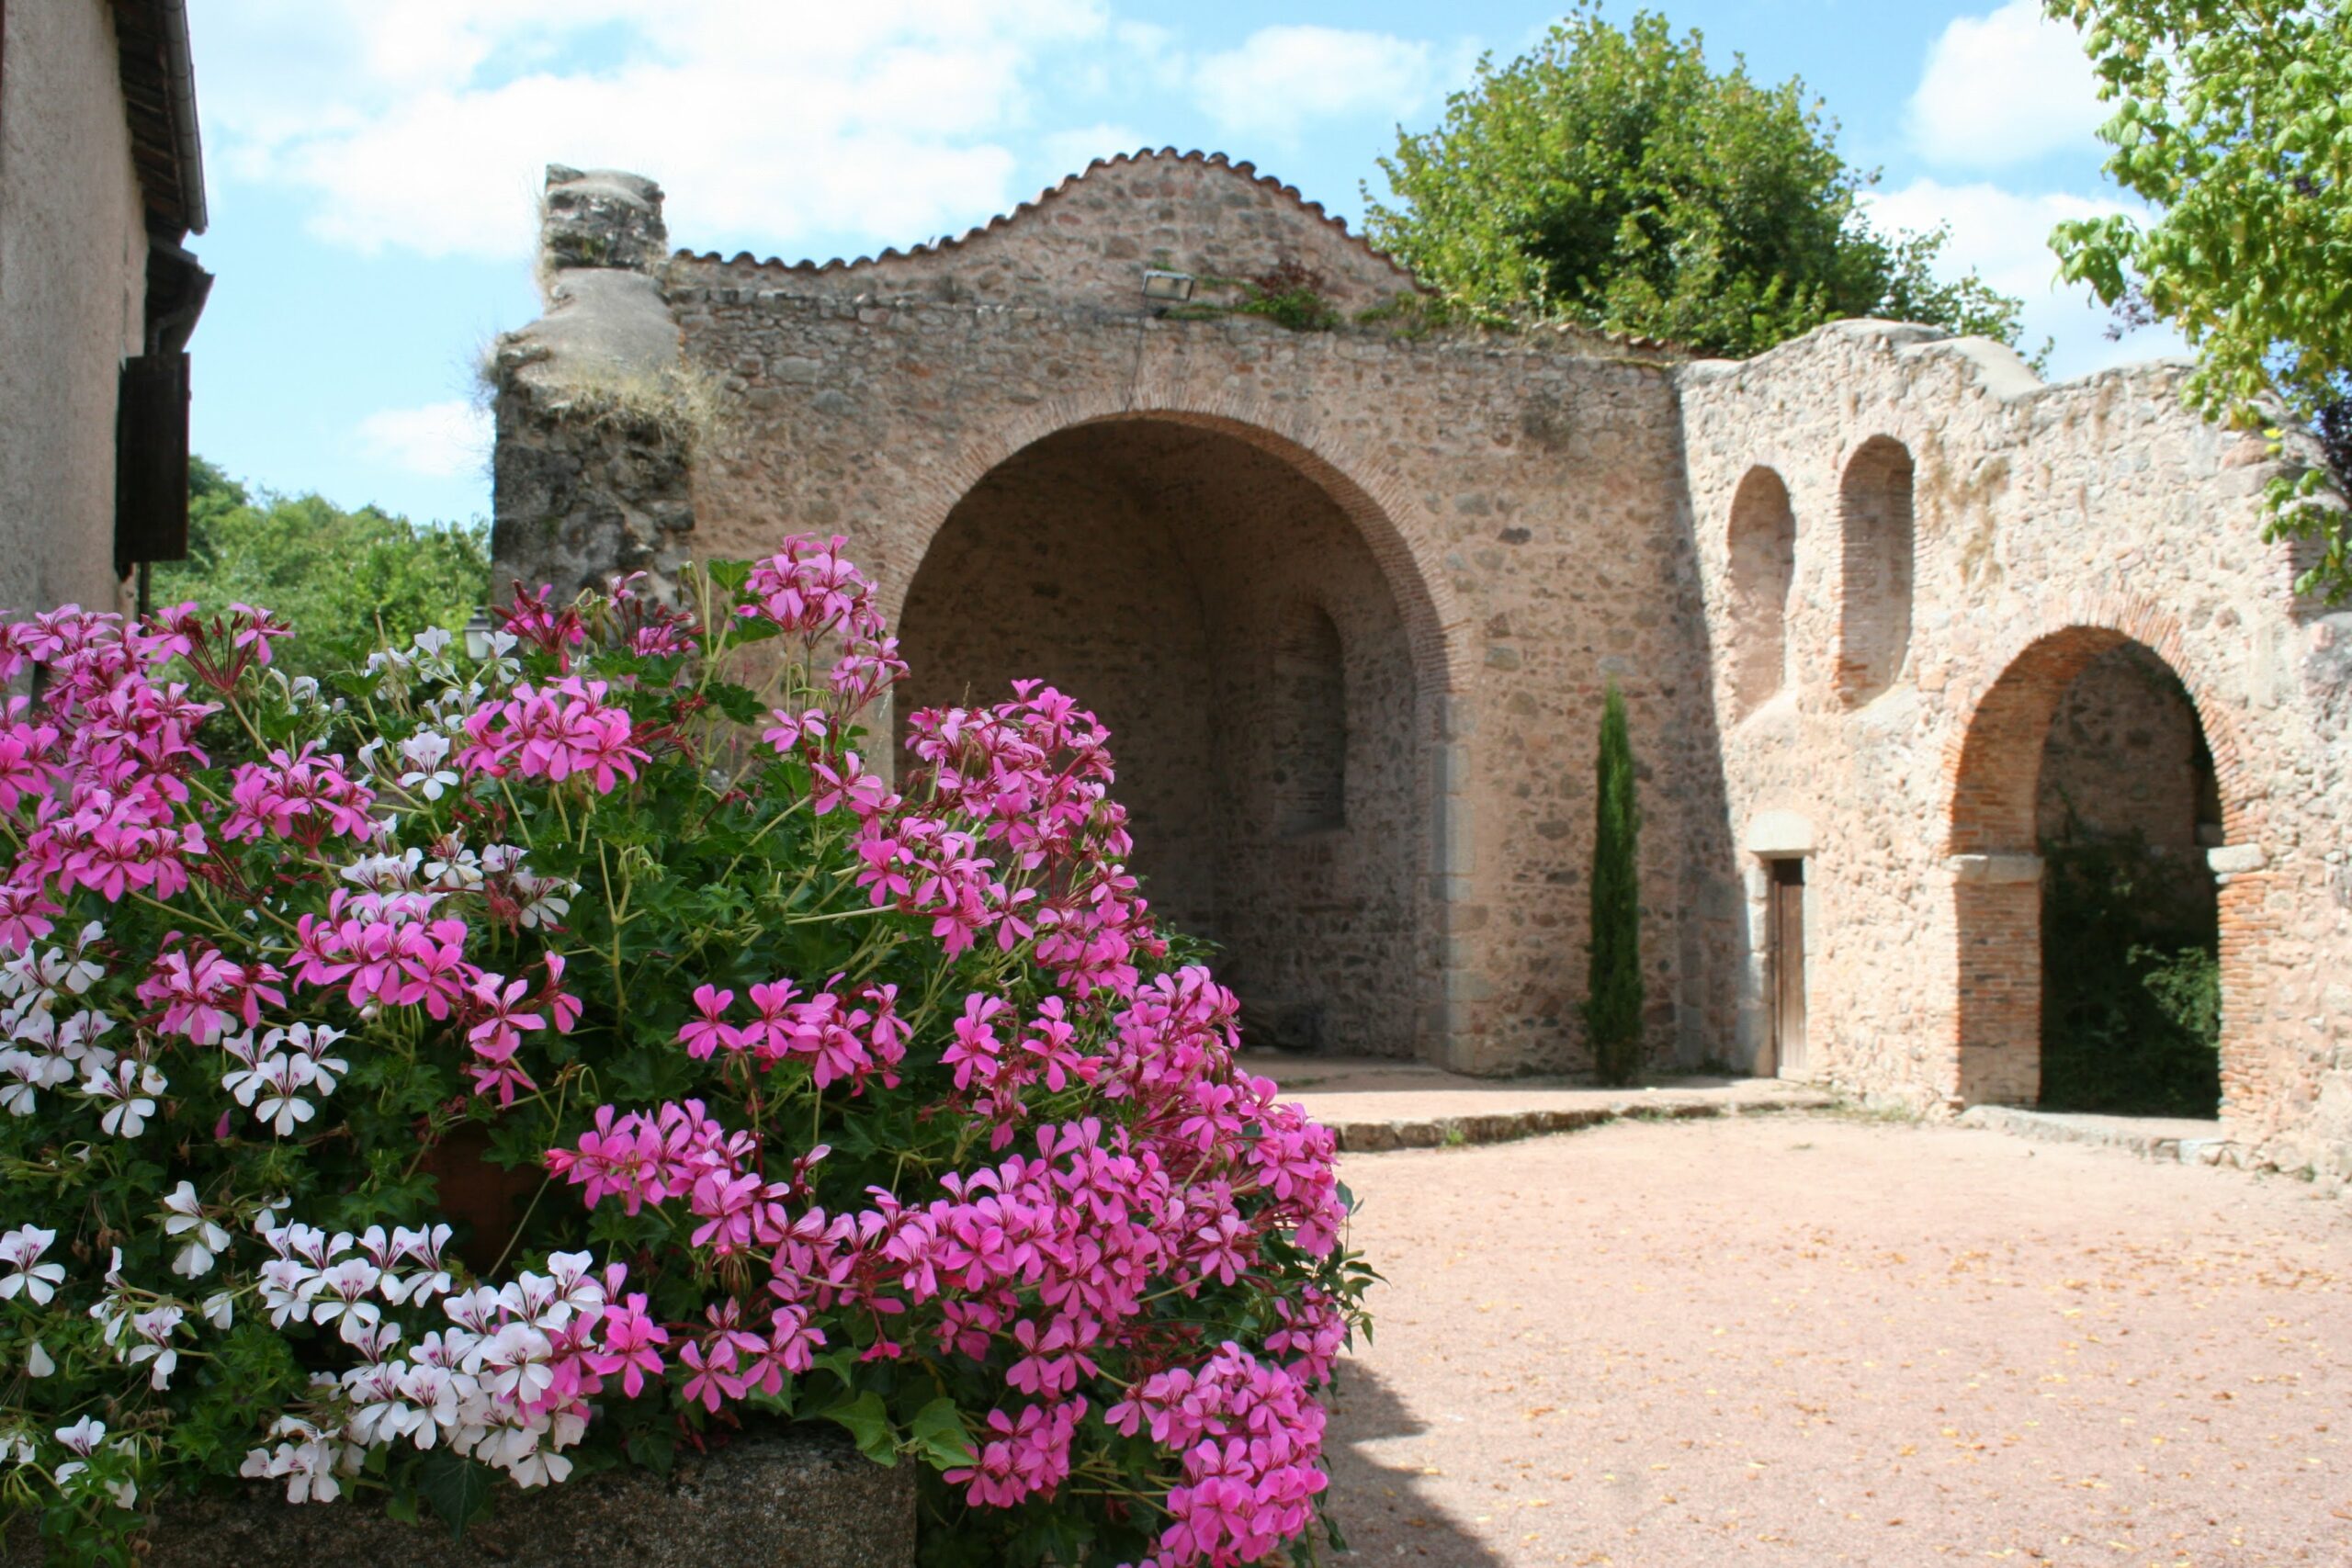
(1004, 220)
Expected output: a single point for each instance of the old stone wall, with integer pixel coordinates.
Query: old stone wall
(1351, 598)
(1518, 599)
(1087, 243)
(73, 298)
(1487, 522)
(598, 417)
(2052, 527)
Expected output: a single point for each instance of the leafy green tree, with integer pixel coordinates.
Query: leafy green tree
(2232, 122)
(337, 575)
(1610, 177)
(1612, 1009)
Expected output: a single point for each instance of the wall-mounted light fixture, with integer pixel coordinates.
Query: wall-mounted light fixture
(478, 628)
(1167, 287)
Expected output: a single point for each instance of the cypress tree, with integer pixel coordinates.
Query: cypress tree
(1612, 1009)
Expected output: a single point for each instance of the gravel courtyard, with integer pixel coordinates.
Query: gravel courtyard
(1805, 1339)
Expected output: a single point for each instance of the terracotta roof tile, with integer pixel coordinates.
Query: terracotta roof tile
(1209, 160)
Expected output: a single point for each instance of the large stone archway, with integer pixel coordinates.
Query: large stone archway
(1276, 729)
(2001, 806)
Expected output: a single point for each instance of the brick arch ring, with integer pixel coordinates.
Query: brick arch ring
(1992, 777)
(1990, 801)
(1403, 540)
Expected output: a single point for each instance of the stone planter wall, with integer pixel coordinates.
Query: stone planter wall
(807, 1499)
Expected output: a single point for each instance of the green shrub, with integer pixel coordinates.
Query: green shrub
(1612, 1009)
(2131, 990)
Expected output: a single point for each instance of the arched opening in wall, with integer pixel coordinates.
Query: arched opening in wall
(1763, 559)
(1876, 548)
(2089, 969)
(1225, 617)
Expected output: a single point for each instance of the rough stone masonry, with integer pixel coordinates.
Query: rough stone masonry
(1879, 601)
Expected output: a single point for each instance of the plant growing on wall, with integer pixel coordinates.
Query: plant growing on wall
(456, 1073)
(1612, 1007)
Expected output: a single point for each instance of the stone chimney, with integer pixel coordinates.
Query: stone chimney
(602, 217)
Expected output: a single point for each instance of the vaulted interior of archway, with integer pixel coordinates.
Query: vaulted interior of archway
(1225, 616)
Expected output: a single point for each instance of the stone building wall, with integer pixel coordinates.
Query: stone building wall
(1495, 527)
(1482, 481)
(1511, 497)
(73, 301)
(2053, 526)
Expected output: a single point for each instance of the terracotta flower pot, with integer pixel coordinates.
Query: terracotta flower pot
(484, 1199)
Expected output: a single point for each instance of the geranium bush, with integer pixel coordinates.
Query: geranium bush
(466, 1073)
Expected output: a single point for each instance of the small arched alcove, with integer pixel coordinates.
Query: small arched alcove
(1762, 563)
(1876, 545)
(1208, 596)
(1310, 721)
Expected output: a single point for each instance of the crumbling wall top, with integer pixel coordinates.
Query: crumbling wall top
(601, 218)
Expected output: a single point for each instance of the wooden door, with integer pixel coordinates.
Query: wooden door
(1786, 937)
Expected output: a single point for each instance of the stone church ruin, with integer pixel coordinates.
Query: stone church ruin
(1888, 614)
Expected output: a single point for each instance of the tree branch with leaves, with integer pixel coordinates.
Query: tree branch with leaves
(2233, 118)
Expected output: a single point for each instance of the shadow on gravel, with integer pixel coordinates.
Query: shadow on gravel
(1377, 1482)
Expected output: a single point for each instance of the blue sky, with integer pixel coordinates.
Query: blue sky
(372, 164)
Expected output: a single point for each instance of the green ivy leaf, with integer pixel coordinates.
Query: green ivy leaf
(459, 1489)
(870, 1427)
(939, 1434)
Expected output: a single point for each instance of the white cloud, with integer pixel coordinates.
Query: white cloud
(442, 441)
(2005, 235)
(2003, 88)
(1281, 77)
(424, 124)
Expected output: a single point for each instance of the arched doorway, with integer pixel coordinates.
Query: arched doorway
(2085, 805)
(1209, 597)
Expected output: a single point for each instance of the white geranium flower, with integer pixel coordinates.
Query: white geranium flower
(20, 1252)
(129, 1090)
(38, 1363)
(281, 1108)
(342, 1291)
(314, 1041)
(83, 1437)
(309, 1476)
(205, 1240)
(546, 899)
(219, 1310)
(24, 1073)
(385, 872)
(151, 1343)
